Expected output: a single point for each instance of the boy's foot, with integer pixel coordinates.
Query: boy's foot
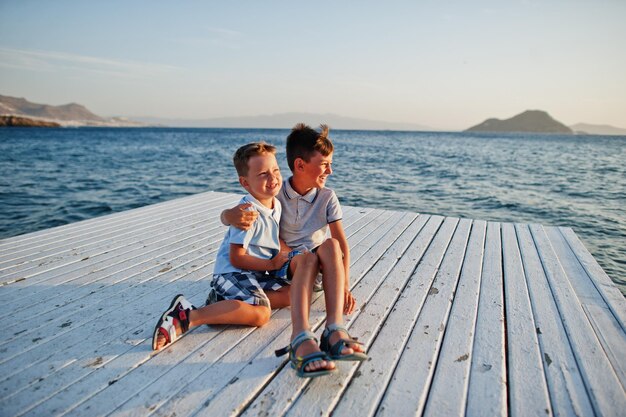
(173, 322)
(350, 348)
(308, 347)
(306, 357)
(339, 345)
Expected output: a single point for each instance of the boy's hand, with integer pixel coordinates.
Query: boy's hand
(279, 260)
(348, 302)
(240, 217)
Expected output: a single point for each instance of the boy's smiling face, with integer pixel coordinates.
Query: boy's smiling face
(264, 179)
(313, 174)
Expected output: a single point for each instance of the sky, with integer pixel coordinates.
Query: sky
(447, 65)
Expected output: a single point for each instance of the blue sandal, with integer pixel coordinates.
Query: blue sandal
(334, 351)
(300, 362)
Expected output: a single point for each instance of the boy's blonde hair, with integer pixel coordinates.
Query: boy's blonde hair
(243, 155)
(303, 142)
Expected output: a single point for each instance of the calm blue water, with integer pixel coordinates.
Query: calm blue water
(50, 177)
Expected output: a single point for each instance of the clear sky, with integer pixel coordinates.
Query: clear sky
(443, 64)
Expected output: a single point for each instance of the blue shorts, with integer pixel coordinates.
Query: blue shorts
(250, 286)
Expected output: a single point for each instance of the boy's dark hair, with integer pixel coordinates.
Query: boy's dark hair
(243, 155)
(303, 141)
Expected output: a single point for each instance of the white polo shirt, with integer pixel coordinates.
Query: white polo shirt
(305, 218)
(260, 241)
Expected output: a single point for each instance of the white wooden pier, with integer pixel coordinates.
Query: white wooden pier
(460, 317)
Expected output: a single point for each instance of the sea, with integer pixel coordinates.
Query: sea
(51, 177)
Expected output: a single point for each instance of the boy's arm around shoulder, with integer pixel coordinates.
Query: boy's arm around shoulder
(239, 216)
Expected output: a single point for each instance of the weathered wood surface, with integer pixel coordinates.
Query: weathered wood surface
(460, 317)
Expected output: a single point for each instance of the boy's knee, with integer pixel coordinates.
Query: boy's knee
(331, 246)
(306, 260)
(261, 316)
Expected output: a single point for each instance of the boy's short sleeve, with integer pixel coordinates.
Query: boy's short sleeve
(333, 209)
(242, 237)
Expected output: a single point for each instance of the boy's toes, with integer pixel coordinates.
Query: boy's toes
(357, 348)
(347, 351)
(319, 365)
(309, 347)
(349, 348)
(160, 343)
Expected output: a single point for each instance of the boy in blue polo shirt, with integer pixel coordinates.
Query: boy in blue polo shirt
(310, 210)
(252, 274)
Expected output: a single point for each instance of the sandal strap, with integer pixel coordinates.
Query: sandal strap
(183, 319)
(334, 327)
(335, 349)
(168, 330)
(295, 343)
(330, 329)
(302, 362)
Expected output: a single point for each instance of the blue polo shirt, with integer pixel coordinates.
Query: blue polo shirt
(305, 218)
(260, 241)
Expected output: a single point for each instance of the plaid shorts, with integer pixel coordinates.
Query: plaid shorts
(250, 286)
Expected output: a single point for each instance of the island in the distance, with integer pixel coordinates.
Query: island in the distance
(19, 112)
(18, 121)
(533, 121)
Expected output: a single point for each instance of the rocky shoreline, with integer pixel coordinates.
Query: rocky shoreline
(20, 121)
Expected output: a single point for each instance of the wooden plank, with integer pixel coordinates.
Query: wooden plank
(74, 256)
(51, 324)
(90, 337)
(62, 282)
(97, 382)
(528, 390)
(133, 218)
(78, 250)
(612, 295)
(84, 236)
(60, 231)
(488, 383)
(413, 275)
(235, 393)
(603, 386)
(100, 312)
(130, 253)
(568, 395)
(608, 330)
(408, 390)
(187, 366)
(380, 287)
(448, 391)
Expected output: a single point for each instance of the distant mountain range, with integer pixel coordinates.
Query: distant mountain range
(77, 115)
(16, 111)
(66, 115)
(287, 121)
(585, 128)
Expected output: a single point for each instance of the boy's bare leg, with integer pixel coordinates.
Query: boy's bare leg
(280, 298)
(224, 312)
(333, 281)
(304, 269)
